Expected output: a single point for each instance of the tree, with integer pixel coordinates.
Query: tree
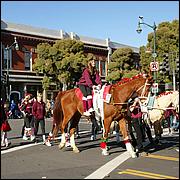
(167, 41)
(61, 63)
(122, 64)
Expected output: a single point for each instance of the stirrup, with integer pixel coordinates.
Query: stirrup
(90, 110)
(86, 113)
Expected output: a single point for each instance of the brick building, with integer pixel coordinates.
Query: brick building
(18, 63)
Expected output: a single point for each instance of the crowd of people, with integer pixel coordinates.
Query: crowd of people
(35, 110)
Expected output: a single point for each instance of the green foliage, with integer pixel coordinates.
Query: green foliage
(61, 63)
(167, 80)
(167, 41)
(114, 75)
(46, 82)
(121, 63)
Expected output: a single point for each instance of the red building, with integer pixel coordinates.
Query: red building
(17, 64)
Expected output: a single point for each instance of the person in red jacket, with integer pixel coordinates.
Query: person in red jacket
(90, 78)
(39, 112)
(5, 126)
(136, 123)
(26, 108)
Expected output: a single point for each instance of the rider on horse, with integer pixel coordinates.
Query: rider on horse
(90, 78)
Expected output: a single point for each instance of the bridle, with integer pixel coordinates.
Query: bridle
(144, 88)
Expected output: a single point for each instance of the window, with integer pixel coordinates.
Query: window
(5, 59)
(97, 65)
(7, 55)
(27, 59)
(101, 66)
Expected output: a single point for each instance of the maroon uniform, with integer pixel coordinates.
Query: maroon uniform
(89, 80)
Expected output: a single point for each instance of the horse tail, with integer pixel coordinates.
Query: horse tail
(57, 111)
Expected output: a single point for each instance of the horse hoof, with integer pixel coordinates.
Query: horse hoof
(134, 155)
(61, 146)
(76, 150)
(105, 153)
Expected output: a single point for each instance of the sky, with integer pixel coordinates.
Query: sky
(116, 20)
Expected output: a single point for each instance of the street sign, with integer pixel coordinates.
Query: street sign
(155, 88)
(154, 55)
(154, 66)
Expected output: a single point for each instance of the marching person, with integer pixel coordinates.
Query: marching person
(169, 114)
(26, 107)
(135, 122)
(48, 109)
(5, 127)
(39, 112)
(13, 108)
(89, 79)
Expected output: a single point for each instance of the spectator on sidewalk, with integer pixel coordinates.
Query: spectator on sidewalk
(39, 112)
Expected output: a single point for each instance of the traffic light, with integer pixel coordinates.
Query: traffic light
(162, 69)
(164, 65)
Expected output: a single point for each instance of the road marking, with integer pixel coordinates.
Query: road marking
(30, 145)
(19, 147)
(146, 174)
(108, 167)
(162, 157)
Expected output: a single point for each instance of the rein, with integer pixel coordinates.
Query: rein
(142, 94)
(144, 88)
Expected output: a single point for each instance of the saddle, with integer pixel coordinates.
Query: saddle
(105, 91)
(98, 99)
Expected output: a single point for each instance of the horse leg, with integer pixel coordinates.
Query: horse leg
(72, 131)
(124, 131)
(63, 136)
(74, 123)
(107, 124)
(54, 131)
(63, 141)
(117, 133)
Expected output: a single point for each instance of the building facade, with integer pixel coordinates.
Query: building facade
(17, 75)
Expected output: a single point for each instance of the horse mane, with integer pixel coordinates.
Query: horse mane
(164, 93)
(125, 80)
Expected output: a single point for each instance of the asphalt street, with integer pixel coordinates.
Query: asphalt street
(27, 160)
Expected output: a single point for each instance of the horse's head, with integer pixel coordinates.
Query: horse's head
(175, 100)
(143, 85)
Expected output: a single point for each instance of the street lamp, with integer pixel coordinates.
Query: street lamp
(15, 44)
(154, 27)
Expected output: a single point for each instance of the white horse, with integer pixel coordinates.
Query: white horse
(161, 103)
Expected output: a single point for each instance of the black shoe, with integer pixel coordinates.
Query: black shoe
(156, 141)
(140, 149)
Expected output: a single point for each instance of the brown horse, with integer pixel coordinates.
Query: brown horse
(69, 107)
(115, 110)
